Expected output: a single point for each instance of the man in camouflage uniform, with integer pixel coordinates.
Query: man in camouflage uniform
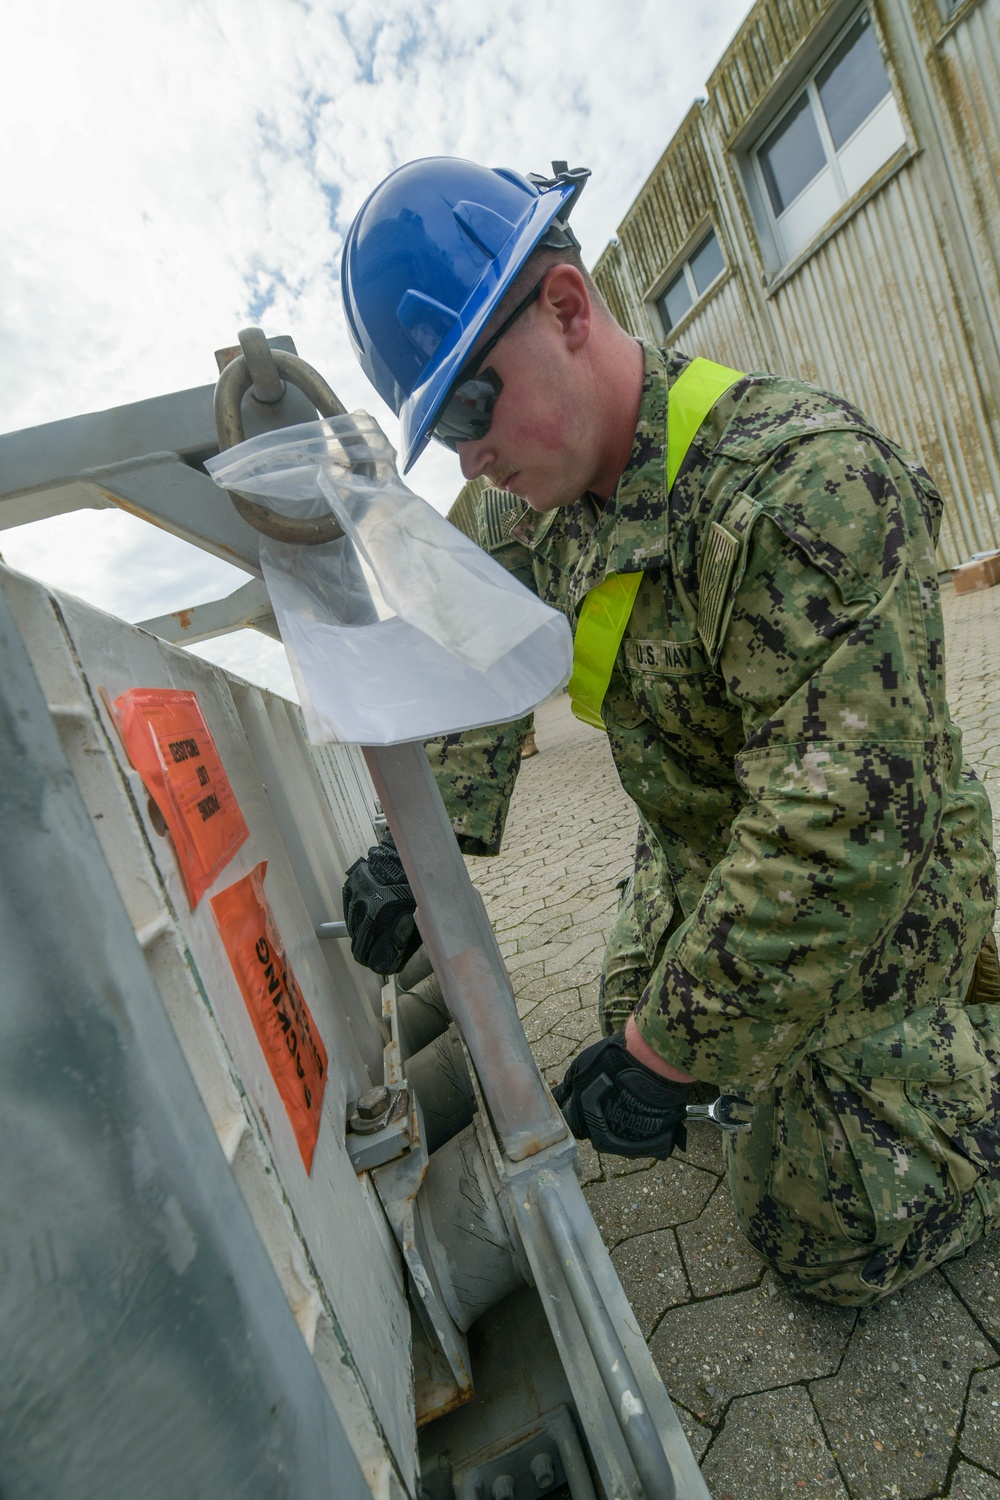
(809, 920)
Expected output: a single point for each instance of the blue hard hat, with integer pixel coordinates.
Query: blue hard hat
(426, 261)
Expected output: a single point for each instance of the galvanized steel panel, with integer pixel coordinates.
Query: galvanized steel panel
(147, 1348)
(325, 1231)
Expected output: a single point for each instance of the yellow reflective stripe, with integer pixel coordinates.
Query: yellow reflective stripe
(605, 611)
(603, 618)
(689, 401)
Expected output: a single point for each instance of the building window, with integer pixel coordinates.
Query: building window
(703, 266)
(831, 138)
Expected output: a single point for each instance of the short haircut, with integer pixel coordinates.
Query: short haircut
(534, 268)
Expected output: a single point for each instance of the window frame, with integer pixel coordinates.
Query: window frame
(953, 13)
(681, 265)
(779, 263)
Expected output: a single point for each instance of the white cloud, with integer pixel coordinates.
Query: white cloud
(176, 169)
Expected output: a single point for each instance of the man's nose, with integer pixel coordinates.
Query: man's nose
(475, 457)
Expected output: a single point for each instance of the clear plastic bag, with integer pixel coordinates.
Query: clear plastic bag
(402, 628)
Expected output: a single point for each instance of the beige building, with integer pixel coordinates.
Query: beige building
(832, 209)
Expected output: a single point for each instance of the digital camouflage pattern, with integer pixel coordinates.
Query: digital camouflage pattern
(647, 915)
(475, 772)
(814, 876)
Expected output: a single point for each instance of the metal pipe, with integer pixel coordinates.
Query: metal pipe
(645, 1448)
(464, 952)
(331, 930)
(581, 1486)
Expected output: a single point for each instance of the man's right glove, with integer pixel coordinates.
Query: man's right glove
(620, 1105)
(378, 910)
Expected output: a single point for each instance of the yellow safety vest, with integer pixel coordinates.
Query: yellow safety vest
(605, 611)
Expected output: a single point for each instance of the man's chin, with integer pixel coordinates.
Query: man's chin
(543, 502)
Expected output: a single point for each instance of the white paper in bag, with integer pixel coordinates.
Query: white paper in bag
(403, 628)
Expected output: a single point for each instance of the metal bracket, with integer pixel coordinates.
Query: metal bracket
(539, 1458)
(391, 1139)
(392, 1131)
(246, 608)
(398, 1184)
(636, 1440)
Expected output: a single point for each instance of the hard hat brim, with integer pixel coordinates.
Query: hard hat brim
(418, 412)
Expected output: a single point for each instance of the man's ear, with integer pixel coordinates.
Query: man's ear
(565, 296)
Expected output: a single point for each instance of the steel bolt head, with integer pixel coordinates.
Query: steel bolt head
(542, 1471)
(374, 1102)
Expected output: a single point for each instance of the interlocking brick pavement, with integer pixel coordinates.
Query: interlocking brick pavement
(780, 1397)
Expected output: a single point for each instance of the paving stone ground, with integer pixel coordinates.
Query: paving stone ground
(781, 1397)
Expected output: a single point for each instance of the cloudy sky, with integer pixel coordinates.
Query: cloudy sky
(176, 169)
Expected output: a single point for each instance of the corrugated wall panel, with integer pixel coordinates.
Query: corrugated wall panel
(677, 198)
(968, 85)
(611, 274)
(758, 54)
(872, 314)
(721, 330)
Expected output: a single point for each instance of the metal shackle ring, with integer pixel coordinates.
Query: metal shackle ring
(232, 385)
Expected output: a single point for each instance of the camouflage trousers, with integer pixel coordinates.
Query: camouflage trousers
(875, 1161)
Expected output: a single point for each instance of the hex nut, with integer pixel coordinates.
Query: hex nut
(373, 1102)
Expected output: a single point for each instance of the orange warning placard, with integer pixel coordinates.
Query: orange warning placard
(281, 1018)
(169, 744)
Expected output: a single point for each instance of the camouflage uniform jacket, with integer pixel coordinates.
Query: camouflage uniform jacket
(777, 713)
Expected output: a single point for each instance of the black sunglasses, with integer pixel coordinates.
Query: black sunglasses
(467, 409)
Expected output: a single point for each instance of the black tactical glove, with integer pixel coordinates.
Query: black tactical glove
(378, 910)
(620, 1105)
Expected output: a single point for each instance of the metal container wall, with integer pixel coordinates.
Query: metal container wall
(324, 1229)
(897, 303)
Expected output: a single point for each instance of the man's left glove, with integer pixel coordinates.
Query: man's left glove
(378, 910)
(620, 1105)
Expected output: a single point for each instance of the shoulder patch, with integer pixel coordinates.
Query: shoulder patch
(498, 514)
(718, 563)
(486, 515)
